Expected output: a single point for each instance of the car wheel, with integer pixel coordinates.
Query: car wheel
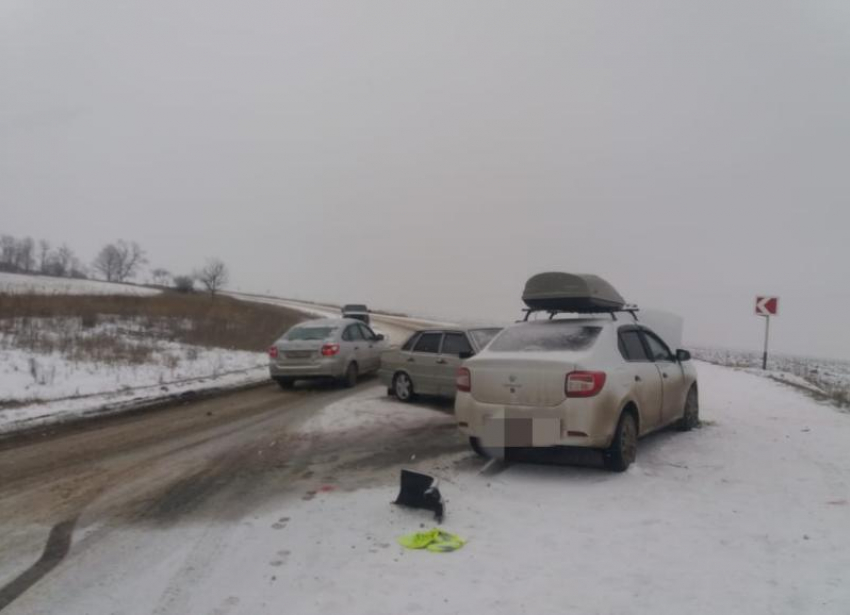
(690, 417)
(623, 450)
(285, 383)
(403, 387)
(350, 378)
(475, 444)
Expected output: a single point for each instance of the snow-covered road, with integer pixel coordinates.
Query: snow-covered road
(397, 329)
(746, 515)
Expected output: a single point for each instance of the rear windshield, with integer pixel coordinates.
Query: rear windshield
(309, 333)
(545, 337)
(482, 337)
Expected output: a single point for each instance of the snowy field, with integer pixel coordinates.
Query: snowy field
(43, 285)
(746, 515)
(828, 377)
(37, 389)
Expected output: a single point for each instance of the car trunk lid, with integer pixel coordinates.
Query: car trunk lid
(295, 352)
(519, 379)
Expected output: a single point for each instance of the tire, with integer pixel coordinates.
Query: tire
(475, 445)
(285, 383)
(403, 387)
(690, 416)
(623, 450)
(349, 381)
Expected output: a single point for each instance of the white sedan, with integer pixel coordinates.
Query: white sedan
(589, 382)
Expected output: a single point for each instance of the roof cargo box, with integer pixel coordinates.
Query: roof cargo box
(568, 292)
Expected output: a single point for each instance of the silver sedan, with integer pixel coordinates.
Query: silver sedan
(427, 363)
(340, 348)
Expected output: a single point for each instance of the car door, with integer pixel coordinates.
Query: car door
(422, 364)
(372, 349)
(354, 347)
(672, 377)
(647, 387)
(455, 349)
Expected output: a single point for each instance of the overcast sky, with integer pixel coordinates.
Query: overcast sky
(430, 156)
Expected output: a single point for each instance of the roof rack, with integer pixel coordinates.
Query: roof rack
(628, 308)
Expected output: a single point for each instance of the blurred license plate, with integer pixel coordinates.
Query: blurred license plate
(520, 432)
(508, 432)
(299, 354)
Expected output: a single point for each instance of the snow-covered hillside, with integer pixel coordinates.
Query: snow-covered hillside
(19, 283)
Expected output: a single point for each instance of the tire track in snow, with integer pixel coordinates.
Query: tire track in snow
(57, 547)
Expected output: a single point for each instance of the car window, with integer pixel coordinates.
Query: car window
(657, 349)
(545, 337)
(352, 333)
(482, 337)
(408, 345)
(631, 346)
(428, 342)
(455, 344)
(368, 334)
(310, 333)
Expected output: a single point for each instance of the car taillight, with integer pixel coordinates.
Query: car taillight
(329, 350)
(273, 352)
(463, 380)
(584, 384)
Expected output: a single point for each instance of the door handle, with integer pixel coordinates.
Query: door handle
(411, 360)
(441, 361)
(357, 348)
(664, 374)
(637, 378)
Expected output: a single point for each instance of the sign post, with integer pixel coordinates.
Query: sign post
(766, 307)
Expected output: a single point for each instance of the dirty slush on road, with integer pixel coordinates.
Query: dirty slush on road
(207, 462)
(155, 469)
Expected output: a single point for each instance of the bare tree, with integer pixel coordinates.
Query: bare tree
(108, 262)
(184, 283)
(213, 275)
(63, 261)
(8, 250)
(43, 255)
(119, 261)
(161, 276)
(25, 255)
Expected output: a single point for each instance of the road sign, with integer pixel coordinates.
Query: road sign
(767, 306)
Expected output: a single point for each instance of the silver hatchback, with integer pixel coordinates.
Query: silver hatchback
(340, 348)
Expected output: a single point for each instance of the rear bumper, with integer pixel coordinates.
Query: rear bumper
(575, 422)
(330, 369)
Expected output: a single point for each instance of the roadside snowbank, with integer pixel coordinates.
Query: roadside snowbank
(17, 283)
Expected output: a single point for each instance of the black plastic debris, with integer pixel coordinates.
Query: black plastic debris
(420, 491)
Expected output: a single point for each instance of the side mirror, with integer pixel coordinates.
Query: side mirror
(683, 355)
(380, 337)
(466, 354)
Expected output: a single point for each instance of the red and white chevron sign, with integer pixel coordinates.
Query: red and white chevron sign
(767, 306)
